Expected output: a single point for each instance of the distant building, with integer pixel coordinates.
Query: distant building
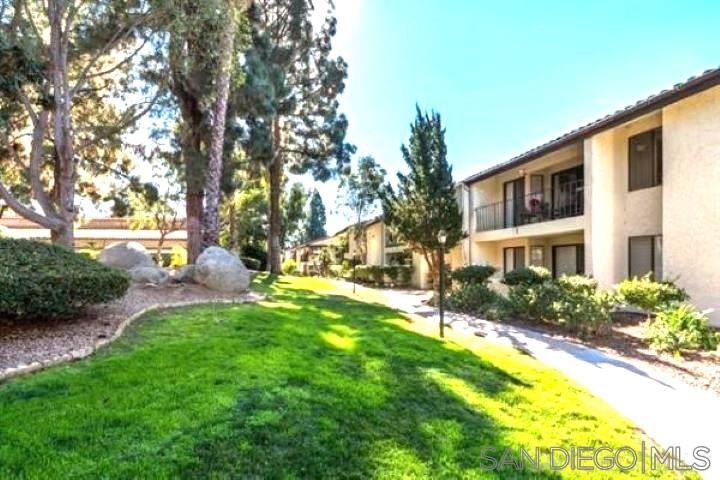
(94, 233)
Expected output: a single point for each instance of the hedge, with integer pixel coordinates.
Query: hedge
(43, 280)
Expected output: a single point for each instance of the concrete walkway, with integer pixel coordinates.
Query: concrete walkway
(669, 411)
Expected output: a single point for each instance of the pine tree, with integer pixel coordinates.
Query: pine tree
(425, 202)
(293, 202)
(316, 218)
(290, 97)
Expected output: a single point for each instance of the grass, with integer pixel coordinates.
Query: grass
(308, 384)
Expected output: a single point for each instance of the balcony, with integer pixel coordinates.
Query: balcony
(564, 201)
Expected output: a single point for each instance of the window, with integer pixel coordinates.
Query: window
(645, 160)
(513, 257)
(645, 256)
(537, 256)
(568, 260)
(398, 258)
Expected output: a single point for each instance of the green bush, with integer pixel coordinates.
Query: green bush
(681, 327)
(392, 272)
(289, 267)
(472, 274)
(252, 263)
(649, 295)
(475, 299)
(580, 307)
(336, 271)
(362, 274)
(527, 276)
(42, 280)
(573, 302)
(255, 251)
(405, 275)
(377, 274)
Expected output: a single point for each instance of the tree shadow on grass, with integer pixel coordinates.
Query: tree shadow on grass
(358, 397)
(302, 385)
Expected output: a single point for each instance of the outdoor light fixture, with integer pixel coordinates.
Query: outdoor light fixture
(522, 172)
(442, 238)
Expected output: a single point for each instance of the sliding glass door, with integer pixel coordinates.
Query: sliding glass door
(514, 198)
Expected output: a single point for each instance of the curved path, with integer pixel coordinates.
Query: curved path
(672, 413)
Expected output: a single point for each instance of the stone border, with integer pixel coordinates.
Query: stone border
(81, 354)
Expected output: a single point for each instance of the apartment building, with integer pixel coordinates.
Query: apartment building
(381, 246)
(637, 191)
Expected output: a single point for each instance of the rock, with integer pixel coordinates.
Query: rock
(220, 270)
(184, 274)
(153, 274)
(126, 255)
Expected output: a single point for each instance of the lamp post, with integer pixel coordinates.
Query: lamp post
(442, 238)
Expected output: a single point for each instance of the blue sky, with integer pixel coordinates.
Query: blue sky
(507, 75)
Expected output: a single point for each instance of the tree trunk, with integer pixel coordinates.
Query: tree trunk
(274, 217)
(211, 220)
(193, 213)
(275, 172)
(63, 236)
(62, 124)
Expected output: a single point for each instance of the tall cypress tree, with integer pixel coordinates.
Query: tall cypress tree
(316, 218)
(425, 201)
(290, 100)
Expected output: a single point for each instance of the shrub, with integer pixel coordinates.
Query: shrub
(393, 272)
(571, 301)
(362, 274)
(251, 263)
(527, 276)
(473, 274)
(377, 273)
(405, 275)
(681, 327)
(42, 280)
(336, 271)
(178, 256)
(255, 251)
(648, 294)
(476, 299)
(580, 307)
(289, 267)
(532, 302)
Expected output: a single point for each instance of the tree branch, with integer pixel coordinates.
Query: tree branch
(28, 213)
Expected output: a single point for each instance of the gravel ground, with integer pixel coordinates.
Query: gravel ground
(25, 342)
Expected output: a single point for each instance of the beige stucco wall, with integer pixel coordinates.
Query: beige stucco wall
(691, 197)
(612, 212)
(375, 244)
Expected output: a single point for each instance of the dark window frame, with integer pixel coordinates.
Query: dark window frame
(520, 181)
(653, 243)
(581, 175)
(579, 258)
(515, 256)
(657, 159)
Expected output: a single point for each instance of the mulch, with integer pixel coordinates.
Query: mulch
(25, 342)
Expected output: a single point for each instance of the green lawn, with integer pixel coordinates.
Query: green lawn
(304, 385)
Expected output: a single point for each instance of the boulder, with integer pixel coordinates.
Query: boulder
(126, 255)
(151, 274)
(184, 274)
(220, 270)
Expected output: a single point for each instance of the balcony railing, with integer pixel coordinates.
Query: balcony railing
(566, 200)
